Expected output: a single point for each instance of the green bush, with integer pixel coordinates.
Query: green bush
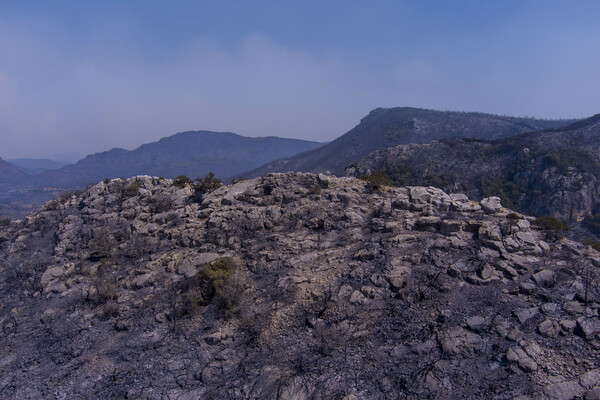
(64, 196)
(211, 285)
(316, 190)
(513, 216)
(563, 159)
(218, 272)
(182, 181)
(549, 223)
(4, 221)
(589, 242)
(101, 245)
(377, 180)
(508, 191)
(205, 185)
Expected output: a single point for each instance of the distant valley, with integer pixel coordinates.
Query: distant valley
(193, 153)
(34, 166)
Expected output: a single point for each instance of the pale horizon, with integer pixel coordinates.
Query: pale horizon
(85, 78)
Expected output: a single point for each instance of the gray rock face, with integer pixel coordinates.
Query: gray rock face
(491, 205)
(291, 285)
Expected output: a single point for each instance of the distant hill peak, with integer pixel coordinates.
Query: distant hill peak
(386, 127)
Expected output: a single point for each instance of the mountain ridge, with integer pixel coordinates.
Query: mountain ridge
(386, 127)
(192, 153)
(552, 172)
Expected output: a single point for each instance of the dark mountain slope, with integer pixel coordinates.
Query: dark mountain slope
(386, 127)
(10, 175)
(555, 172)
(189, 153)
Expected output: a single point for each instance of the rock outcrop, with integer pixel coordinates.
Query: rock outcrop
(293, 286)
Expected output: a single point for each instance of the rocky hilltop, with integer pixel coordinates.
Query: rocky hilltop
(552, 172)
(293, 286)
(386, 127)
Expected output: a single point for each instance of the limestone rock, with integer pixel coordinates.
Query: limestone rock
(460, 342)
(545, 278)
(549, 328)
(491, 205)
(51, 273)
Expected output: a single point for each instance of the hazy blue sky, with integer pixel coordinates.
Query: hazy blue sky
(88, 76)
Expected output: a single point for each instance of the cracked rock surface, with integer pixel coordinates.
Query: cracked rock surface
(293, 286)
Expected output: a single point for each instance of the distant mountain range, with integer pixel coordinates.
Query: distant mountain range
(386, 127)
(228, 155)
(187, 153)
(10, 174)
(194, 154)
(551, 172)
(34, 166)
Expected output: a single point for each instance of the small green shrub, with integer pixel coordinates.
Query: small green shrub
(205, 185)
(549, 223)
(4, 221)
(513, 216)
(508, 191)
(218, 272)
(589, 242)
(182, 181)
(213, 284)
(377, 180)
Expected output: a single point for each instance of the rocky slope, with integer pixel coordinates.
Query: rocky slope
(293, 286)
(553, 172)
(386, 127)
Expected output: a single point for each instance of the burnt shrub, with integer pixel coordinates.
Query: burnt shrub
(592, 222)
(133, 189)
(101, 245)
(160, 203)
